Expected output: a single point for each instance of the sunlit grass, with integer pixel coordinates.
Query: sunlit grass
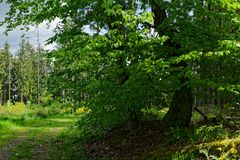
(42, 130)
(202, 142)
(8, 131)
(154, 113)
(35, 129)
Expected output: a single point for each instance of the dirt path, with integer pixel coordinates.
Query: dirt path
(35, 141)
(42, 144)
(6, 151)
(38, 147)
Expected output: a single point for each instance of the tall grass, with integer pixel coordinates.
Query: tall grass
(21, 111)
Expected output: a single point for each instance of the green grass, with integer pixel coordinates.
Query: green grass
(68, 148)
(9, 130)
(30, 129)
(34, 131)
(47, 136)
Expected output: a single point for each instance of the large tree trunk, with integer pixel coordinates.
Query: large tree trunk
(180, 111)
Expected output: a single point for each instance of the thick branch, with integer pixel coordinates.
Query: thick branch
(159, 15)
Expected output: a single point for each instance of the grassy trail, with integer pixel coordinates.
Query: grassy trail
(31, 138)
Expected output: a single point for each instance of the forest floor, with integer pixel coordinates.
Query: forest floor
(48, 138)
(149, 142)
(32, 139)
(215, 139)
(44, 139)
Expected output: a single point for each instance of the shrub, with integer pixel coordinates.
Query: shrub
(94, 125)
(81, 110)
(208, 133)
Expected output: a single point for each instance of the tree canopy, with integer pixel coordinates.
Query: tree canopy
(118, 57)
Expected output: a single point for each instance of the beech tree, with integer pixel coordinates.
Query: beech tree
(126, 51)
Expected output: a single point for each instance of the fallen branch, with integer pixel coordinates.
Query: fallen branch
(202, 114)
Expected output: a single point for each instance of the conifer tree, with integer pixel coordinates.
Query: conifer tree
(25, 71)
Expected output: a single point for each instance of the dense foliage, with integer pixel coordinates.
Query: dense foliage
(122, 56)
(119, 61)
(117, 58)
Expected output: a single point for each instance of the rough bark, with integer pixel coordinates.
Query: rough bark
(180, 111)
(133, 121)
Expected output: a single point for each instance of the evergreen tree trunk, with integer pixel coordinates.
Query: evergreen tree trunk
(38, 68)
(9, 79)
(21, 96)
(5, 93)
(1, 98)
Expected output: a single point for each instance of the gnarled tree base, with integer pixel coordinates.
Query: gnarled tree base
(180, 111)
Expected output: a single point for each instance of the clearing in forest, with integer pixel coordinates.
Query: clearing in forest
(32, 138)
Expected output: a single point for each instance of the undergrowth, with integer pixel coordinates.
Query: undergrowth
(21, 111)
(202, 142)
